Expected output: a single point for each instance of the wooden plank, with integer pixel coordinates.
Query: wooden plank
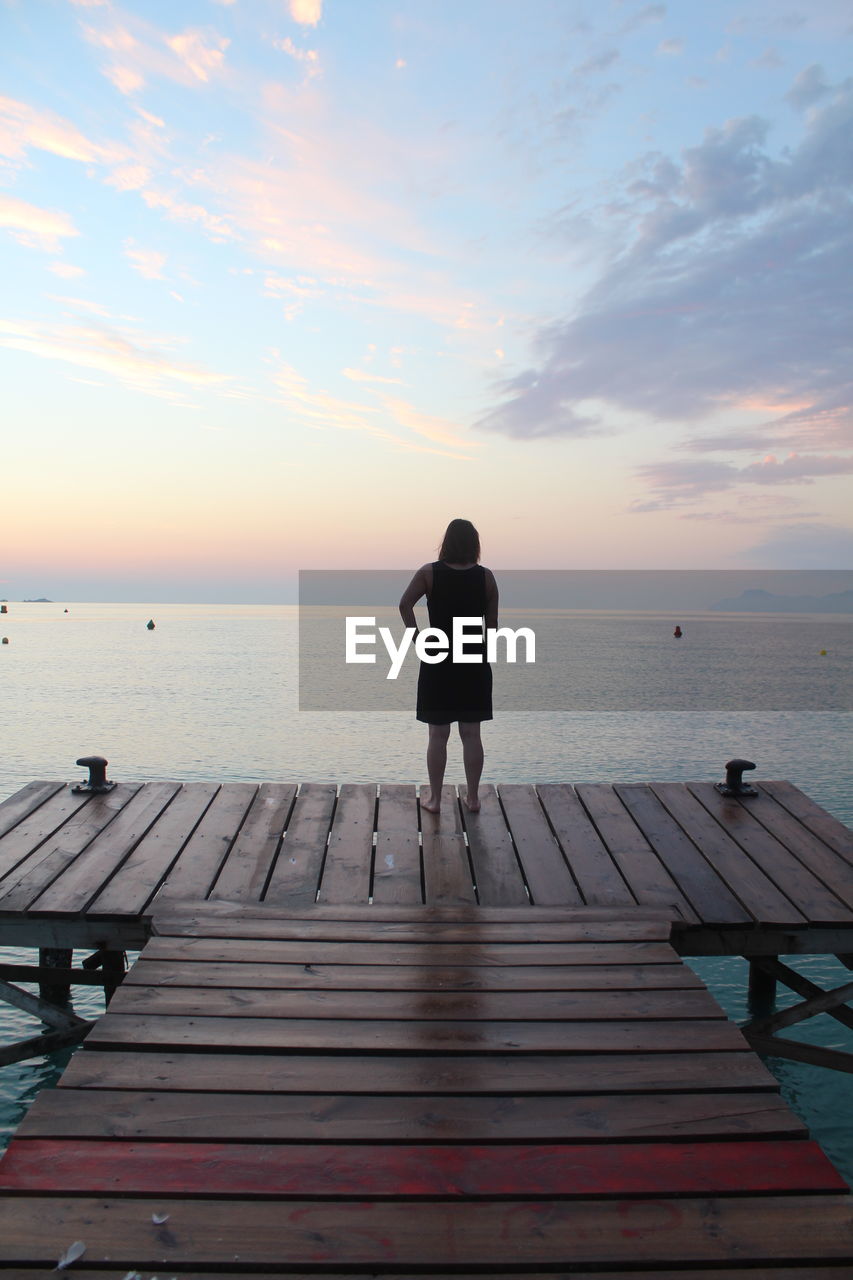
(752, 1272)
(416, 1006)
(253, 1034)
(27, 836)
(138, 879)
(758, 893)
(86, 819)
(832, 869)
(397, 874)
(31, 796)
(355, 977)
(355, 1171)
(243, 875)
(431, 933)
(295, 877)
(817, 903)
(510, 1074)
(497, 874)
(648, 878)
(203, 854)
(544, 867)
(813, 817)
(444, 913)
(346, 870)
(86, 875)
(119, 1233)
(597, 875)
(447, 871)
(707, 892)
(297, 951)
(429, 1118)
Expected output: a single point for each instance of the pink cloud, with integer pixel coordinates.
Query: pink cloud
(23, 126)
(139, 51)
(306, 12)
(148, 262)
(33, 227)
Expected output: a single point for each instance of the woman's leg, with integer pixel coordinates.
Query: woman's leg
(436, 764)
(472, 758)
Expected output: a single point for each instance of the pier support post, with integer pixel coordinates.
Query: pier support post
(762, 988)
(114, 966)
(55, 958)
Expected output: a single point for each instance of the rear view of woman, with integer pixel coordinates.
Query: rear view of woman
(456, 586)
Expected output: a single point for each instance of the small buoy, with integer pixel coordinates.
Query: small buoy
(5, 640)
(4, 608)
(150, 624)
(678, 633)
(822, 653)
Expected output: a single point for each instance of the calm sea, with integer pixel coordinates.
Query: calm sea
(211, 693)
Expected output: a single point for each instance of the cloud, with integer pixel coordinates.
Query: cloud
(137, 359)
(726, 285)
(309, 57)
(359, 375)
(808, 88)
(34, 227)
(306, 12)
(676, 483)
(66, 270)
(148, 262)
(137, 51)
(672, 47)
(23, 126)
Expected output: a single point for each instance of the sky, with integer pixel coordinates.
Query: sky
(289, 284)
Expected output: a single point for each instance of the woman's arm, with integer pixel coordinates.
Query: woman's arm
(491, 600)
(419, 586)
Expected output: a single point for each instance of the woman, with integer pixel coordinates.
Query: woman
(456, 586)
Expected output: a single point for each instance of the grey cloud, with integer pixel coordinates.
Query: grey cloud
(675, 483)
(733, 286)
(805, 546)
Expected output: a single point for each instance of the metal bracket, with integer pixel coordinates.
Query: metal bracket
(734, 784)
(96, 783)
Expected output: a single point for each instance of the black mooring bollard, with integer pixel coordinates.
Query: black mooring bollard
(734, 784)
(97, 780)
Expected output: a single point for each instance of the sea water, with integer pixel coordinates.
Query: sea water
(211, 693)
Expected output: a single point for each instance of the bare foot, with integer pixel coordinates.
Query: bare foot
(473, 806)
(429, 804)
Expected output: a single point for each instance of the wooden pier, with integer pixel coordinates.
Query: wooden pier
(363, 1040)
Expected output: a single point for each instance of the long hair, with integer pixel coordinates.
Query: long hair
(461, 543)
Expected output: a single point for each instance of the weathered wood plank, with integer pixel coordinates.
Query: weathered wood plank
(31, 796)
(295, 877)
(429, 1118)
(119, 1233)
(355, 977)
(447, 871)
(759, 894)
(346, 870)
(397, 872)
(86, 817)
(138, 879)
(597, 875)
(832, 869)
(497, 874)
(383, 1036)
(355, 1171)
(708, 894)
(817, 903)
(431, 932)
(416, 1006)
(244, 873)
(84, 878)
(815, 818)
(203, 854)
(648, 878)
(422, 954)
(512, 1074)
(545, 871)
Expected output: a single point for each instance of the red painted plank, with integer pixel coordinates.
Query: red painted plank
(516, 1171)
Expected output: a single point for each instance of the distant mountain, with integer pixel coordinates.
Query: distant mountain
(39, 600)
(754, 600)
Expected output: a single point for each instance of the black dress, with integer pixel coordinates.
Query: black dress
(449, 691)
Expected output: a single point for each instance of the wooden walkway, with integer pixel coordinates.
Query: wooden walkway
(759, 876)
(418, 1092)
